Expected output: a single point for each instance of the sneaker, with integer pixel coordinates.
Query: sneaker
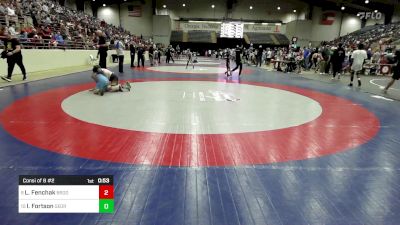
(384, 91)
(8, 79)
(359, 83)
(101, 92)
(24, 77)
(351, 85)
(332, 78)
(338, 77)
(128, 86)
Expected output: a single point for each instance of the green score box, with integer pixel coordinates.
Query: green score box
(106, 206)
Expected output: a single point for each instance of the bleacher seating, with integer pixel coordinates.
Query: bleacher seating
(371, 36)
(260, 38)
(37, 23)
(176, 36)
(200, 36)
(282, 39)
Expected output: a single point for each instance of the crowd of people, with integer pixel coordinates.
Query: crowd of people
(58, 26)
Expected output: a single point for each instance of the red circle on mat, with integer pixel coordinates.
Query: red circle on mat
(39, 120)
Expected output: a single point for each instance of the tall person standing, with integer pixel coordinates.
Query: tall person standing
(132, 49)
(119, 48)
(359, 56)
(238, 60)
(102, 46)
(12, 48)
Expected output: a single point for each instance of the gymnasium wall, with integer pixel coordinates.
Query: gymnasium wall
(37, 60)
(262, 10)
(88, 8)
(142, 25)
(396, 14)
(70, 4)
(161, 29)
(110, 14)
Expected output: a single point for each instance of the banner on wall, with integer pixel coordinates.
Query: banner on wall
(328, 18)
(250, 28)
(134, 10)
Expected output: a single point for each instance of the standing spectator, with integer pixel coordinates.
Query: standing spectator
(396, 71)
(151, 55)
(14, 56)
(132, 49)
(337, 60)
(102, 46)
(259, 55)
(119, 47)
(359, 56)
(238, 60)
(140, 52)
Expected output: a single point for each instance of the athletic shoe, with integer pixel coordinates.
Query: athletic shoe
(351, 85)
(338, 77)
(101, 92)
(24, 77)
(332, 78)
(384, 91)
(359, 83)
(8, 79)
(128, 86)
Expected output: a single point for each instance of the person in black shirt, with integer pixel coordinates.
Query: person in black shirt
(151, 55)
(259, 55)
(337, 60)
(228, 62)
(140, 53)
(396, 71)
(103, 48)
(168, 53)
(238, 60)
(132, 49)
(12, 51)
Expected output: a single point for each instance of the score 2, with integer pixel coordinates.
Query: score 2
(106, 192)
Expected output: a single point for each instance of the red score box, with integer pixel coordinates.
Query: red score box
(106, 192)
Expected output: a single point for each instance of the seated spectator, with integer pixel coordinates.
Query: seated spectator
(59, 38)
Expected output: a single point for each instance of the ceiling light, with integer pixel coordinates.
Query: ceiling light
(104, 5)
(366, 1)
(164, 6)
(183, 4)
(376, 11)
(278, 8)
(343, 8)
(212, 6)
(251, 7)
(294, 10)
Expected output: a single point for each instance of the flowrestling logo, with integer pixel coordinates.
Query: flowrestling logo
(370, 15)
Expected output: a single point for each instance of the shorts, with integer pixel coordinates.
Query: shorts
(102, 82)
(113, 78)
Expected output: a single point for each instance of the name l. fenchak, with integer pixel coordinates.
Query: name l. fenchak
(45, 192)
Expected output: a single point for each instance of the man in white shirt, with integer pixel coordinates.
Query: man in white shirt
(119, 48)
(358, 56)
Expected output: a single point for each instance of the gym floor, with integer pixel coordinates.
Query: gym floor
(190, 146)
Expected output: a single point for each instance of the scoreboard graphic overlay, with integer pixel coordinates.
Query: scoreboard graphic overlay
(65, 194)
